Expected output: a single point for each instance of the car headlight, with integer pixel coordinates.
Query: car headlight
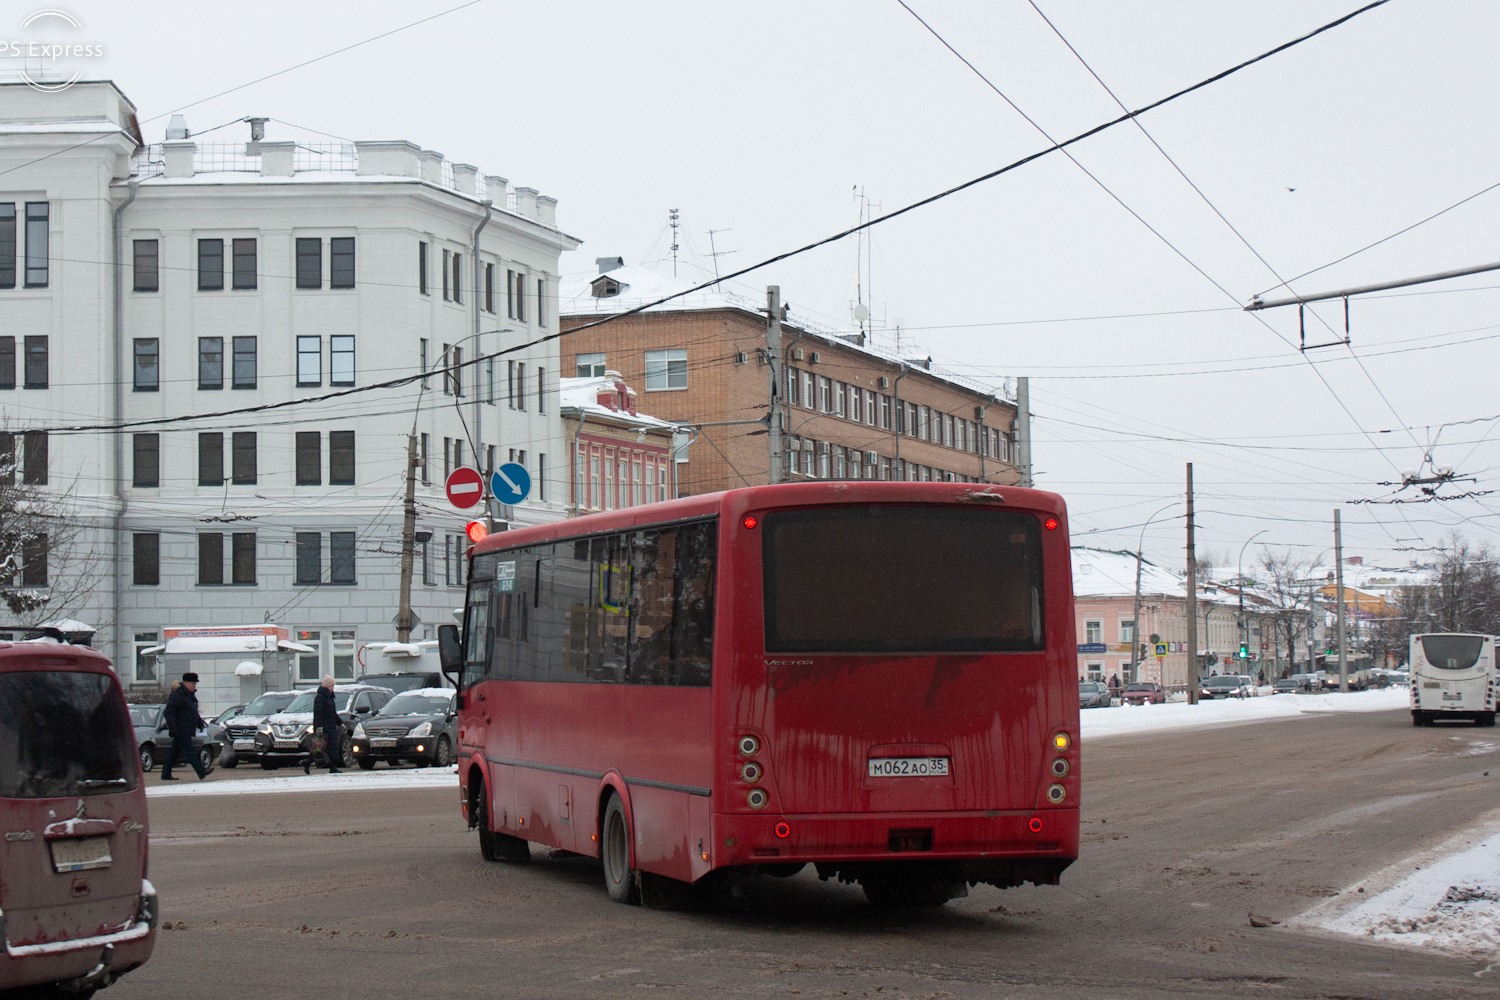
(308, 730)
(359, 730)
(425, 729)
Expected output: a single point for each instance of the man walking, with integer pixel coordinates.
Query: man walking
(183, 721)
(326, 722)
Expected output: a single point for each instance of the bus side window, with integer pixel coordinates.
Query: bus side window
(651, 566)
(693, 605)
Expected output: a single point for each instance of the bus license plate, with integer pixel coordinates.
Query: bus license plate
(903, 767)
(1453, 696)
(82, 853)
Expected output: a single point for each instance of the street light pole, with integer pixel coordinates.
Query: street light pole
(1240, 584)
(1136, 611)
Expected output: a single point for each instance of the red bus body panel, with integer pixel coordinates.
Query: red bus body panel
(549, 752)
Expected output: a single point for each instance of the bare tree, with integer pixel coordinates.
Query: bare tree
(1287, 580)
(48, 568)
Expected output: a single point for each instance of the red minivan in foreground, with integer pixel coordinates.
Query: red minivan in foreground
(76, 909)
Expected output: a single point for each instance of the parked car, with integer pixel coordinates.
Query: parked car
(153, 741)
(1286, 685)
(1223, 686)
(240, 730)
(1143, 693)
(420, 726)
(78, 910)
(1094, 694)
(286, 737)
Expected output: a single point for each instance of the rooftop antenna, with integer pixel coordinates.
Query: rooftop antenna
(715, 253)
(861, 311)
(672, 218)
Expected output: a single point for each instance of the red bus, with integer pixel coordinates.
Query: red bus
(875, 678)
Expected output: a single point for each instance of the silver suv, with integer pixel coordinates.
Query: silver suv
(286, 737)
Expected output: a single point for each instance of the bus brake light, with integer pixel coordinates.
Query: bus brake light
(1035, 826)
(750, 521)
(783, 829)
(1051, 523)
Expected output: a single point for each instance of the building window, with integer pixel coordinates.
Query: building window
(422, 267)
(244, 362)
(309, 559)
(309, 458)
(145, 663)
(244, 264)
(309, 361)
(146, 460)
(666, 369)
(210, 558)
(341, 557)
(453, 372)
(37, 235)
(36, 362)
(34, 460)
(1127, 633)
(458, 277)
(7, 244)
(1093, 631)
(489, 288)
(541, 302)
(541, 390)
(340, 458)
(242, 557)
(341, 262)
(246, 471)
(34, 552)
(7, 362)
(210, 459)
(341, 359)
(146, 561)
(541, 476)
(309, 665)
(147, 365)
(447, 275)
(425, 556)
(210, 265)
(825, 394)
(341, 651)
(510, 293)
(589, 365)
(489, 379)
(521, 296)
(147, 277)
(210, 362)
(454, 547)
(309, 262)
(424, 445)
(521, 385)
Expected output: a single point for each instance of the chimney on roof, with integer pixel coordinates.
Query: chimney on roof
(257, 133)
(608, 264)
(177, 128)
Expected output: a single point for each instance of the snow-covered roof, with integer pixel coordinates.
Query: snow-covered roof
(1107, 573)
(583, 394)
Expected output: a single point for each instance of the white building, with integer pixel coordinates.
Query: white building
(219, 352)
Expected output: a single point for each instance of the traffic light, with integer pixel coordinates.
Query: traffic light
(476, 530)
(1244, 651)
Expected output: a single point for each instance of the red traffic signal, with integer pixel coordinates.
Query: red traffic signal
(476, 530)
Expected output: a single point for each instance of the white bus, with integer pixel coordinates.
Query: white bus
(1452, 676)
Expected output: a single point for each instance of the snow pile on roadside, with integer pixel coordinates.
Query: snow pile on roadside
(1446, 898)
(1099, 722)
(318, 781)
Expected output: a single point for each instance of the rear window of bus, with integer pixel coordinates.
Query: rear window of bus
(902, 580)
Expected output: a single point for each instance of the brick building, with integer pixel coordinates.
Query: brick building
(620, 458)
(851, 411)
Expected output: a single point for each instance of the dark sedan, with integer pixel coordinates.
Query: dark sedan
(1143, 693)
(153, 741)
(1094, 694)
(1223, 686)
(419, 726)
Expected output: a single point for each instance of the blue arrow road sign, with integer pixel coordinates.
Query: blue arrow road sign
(510, 483)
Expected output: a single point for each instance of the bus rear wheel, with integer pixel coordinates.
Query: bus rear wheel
(495, 846)
(614, 850)
(910, 888)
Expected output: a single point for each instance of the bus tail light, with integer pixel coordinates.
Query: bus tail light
(1056, 793)
(757, 798)
(751, 772)
(1035, 825)
(1060, 768)
(783, 829)
(750, 521)
(749, 746)
(1062, 741)
(1051, 523)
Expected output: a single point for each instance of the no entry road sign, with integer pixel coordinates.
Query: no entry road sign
(465, 487)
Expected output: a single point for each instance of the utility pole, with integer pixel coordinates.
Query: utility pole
(773, 359)
(408, 542)
(1192, 597)
(1023, 427)
(1338, 584)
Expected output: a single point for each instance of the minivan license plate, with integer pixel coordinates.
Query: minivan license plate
(81, 853)
(903, 767)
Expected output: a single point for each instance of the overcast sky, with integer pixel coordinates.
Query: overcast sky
(763, 123)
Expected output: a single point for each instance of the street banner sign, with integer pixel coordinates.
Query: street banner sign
(465, 487)
(510, 483)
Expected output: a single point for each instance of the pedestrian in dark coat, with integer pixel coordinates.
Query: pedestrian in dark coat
(326, 722)
(183, 722)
